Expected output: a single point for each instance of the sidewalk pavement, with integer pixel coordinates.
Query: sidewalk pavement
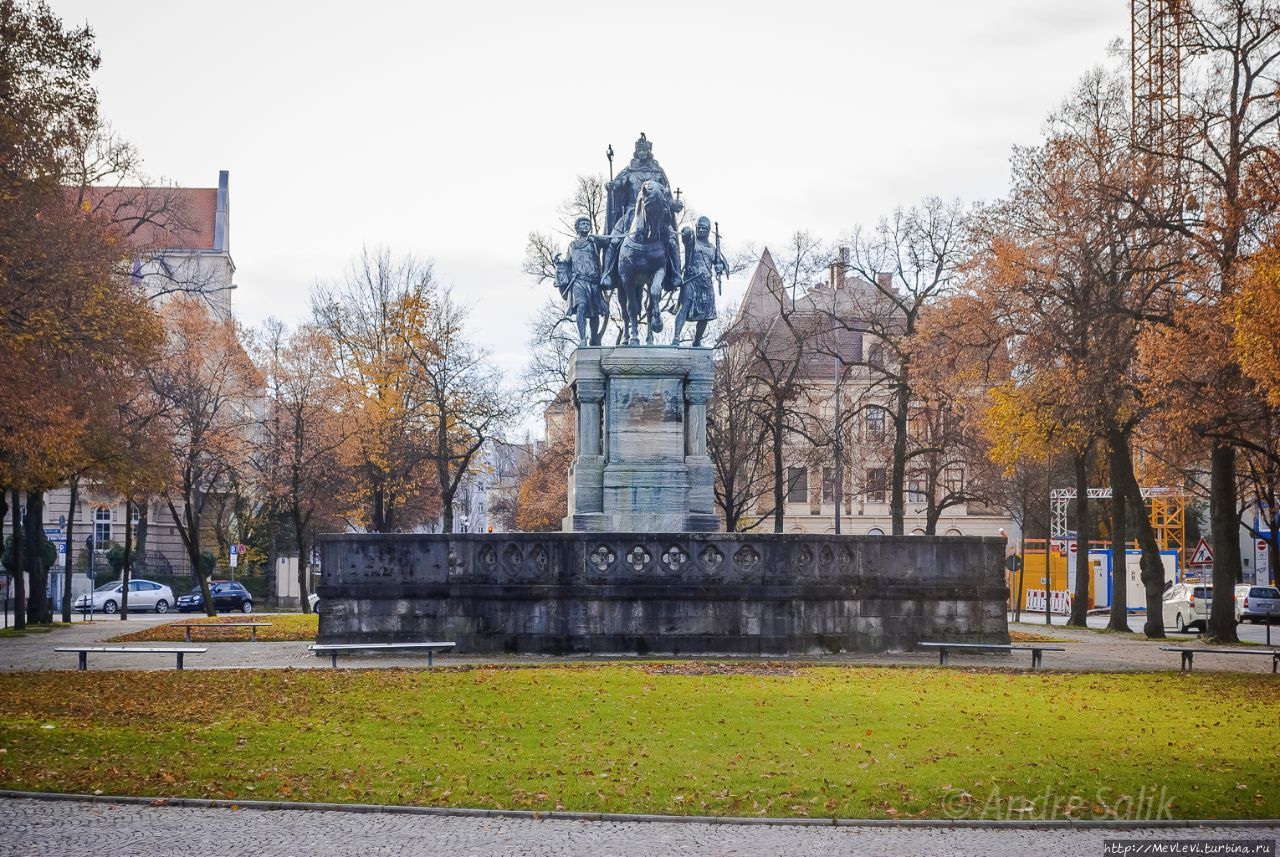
(1086, 651)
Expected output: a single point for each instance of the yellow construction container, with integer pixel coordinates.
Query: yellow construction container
(1032, 575)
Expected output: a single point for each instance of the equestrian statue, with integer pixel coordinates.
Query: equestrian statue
(641, 250)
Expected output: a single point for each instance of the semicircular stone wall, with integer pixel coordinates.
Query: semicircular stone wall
(653, 593)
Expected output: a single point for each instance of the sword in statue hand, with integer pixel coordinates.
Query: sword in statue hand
(716, 263)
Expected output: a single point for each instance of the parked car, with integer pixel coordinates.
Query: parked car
(143, 595)
(1257, 603)
(226, 594)
(314, 601)
(1186, 606)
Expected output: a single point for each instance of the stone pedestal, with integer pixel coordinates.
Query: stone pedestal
(640, 462)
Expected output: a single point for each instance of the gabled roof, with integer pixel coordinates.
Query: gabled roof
(159, 218)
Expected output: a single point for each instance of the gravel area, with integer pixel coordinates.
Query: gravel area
(33, 828)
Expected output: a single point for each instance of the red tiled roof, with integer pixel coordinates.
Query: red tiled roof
(159, 218)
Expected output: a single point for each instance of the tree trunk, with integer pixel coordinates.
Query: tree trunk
(1119, 620)
(19, 586)
(446, 513)
(378, 522)
(1150, 563)
(897, 495)
(779, 497)
(144, 524)
(273, 592)
(1224, 526)
(304, 554)
(38, 606)
(68, 558)
(126, 567)
(1080, 600)
(189, 529)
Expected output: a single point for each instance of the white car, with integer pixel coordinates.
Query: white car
(1187, 606)
(1257, 603)
(143, 595)
(314, 601)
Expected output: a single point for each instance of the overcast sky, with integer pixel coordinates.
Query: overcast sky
(450, 130)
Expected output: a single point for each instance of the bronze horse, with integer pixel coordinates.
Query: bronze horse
(644, 265)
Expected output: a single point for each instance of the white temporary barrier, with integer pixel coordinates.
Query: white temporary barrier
(1059, 601)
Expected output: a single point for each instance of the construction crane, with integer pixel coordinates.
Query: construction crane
(1156, 70)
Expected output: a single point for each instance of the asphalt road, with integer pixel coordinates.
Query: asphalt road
(1247, 631)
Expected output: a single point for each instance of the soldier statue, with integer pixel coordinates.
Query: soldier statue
(623, 191)
(702, 262)
(578, 278)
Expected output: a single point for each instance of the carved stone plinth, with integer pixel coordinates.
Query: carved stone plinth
(640, 462)
(663, 593)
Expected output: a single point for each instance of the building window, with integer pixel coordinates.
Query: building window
(953, 478)
(876, 419)
(101, 526)
(797, 485)
(875, 356)
(915, 491)
(875, 531)
(875, 485)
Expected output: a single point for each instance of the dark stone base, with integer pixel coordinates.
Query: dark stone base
(668, 594)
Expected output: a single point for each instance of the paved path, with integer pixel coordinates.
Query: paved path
(1087, 651)
(37, 828)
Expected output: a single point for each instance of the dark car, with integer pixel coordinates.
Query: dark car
(227, 595)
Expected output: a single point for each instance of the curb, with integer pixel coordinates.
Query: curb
(622, 817)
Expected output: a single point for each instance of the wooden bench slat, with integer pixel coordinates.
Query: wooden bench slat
(254, 625)
(332, 649)
(1037, 652)
(142, 650)
(1188, 655)
(324, 647)
(223, 624)
(83, 652)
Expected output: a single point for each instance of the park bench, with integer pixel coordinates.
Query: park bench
(332, 649)
(1037, 651)
(254, 626)
(83, 652)
(1188, 654)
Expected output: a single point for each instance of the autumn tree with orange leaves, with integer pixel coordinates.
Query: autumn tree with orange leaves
(373, 320)
(204, 389)
(75, 333)
(1071, 274)
(296, 456)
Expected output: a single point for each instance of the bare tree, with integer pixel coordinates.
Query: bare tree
(735, 436)
(911, 260)
(464, 405)
(770, 337)
(204, 386)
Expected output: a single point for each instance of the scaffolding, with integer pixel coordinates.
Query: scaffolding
(1167, 511)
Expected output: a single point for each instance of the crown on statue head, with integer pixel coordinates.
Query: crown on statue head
(643, 144)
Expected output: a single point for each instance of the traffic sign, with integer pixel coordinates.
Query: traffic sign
(1013, 562)
(1203, 554)
(1073, 548)
(234, 550)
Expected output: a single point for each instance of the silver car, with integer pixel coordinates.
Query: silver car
(143, 595)
(1257, 603)
(1186, 606)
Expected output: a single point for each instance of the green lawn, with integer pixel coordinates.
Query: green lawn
(686, 738)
